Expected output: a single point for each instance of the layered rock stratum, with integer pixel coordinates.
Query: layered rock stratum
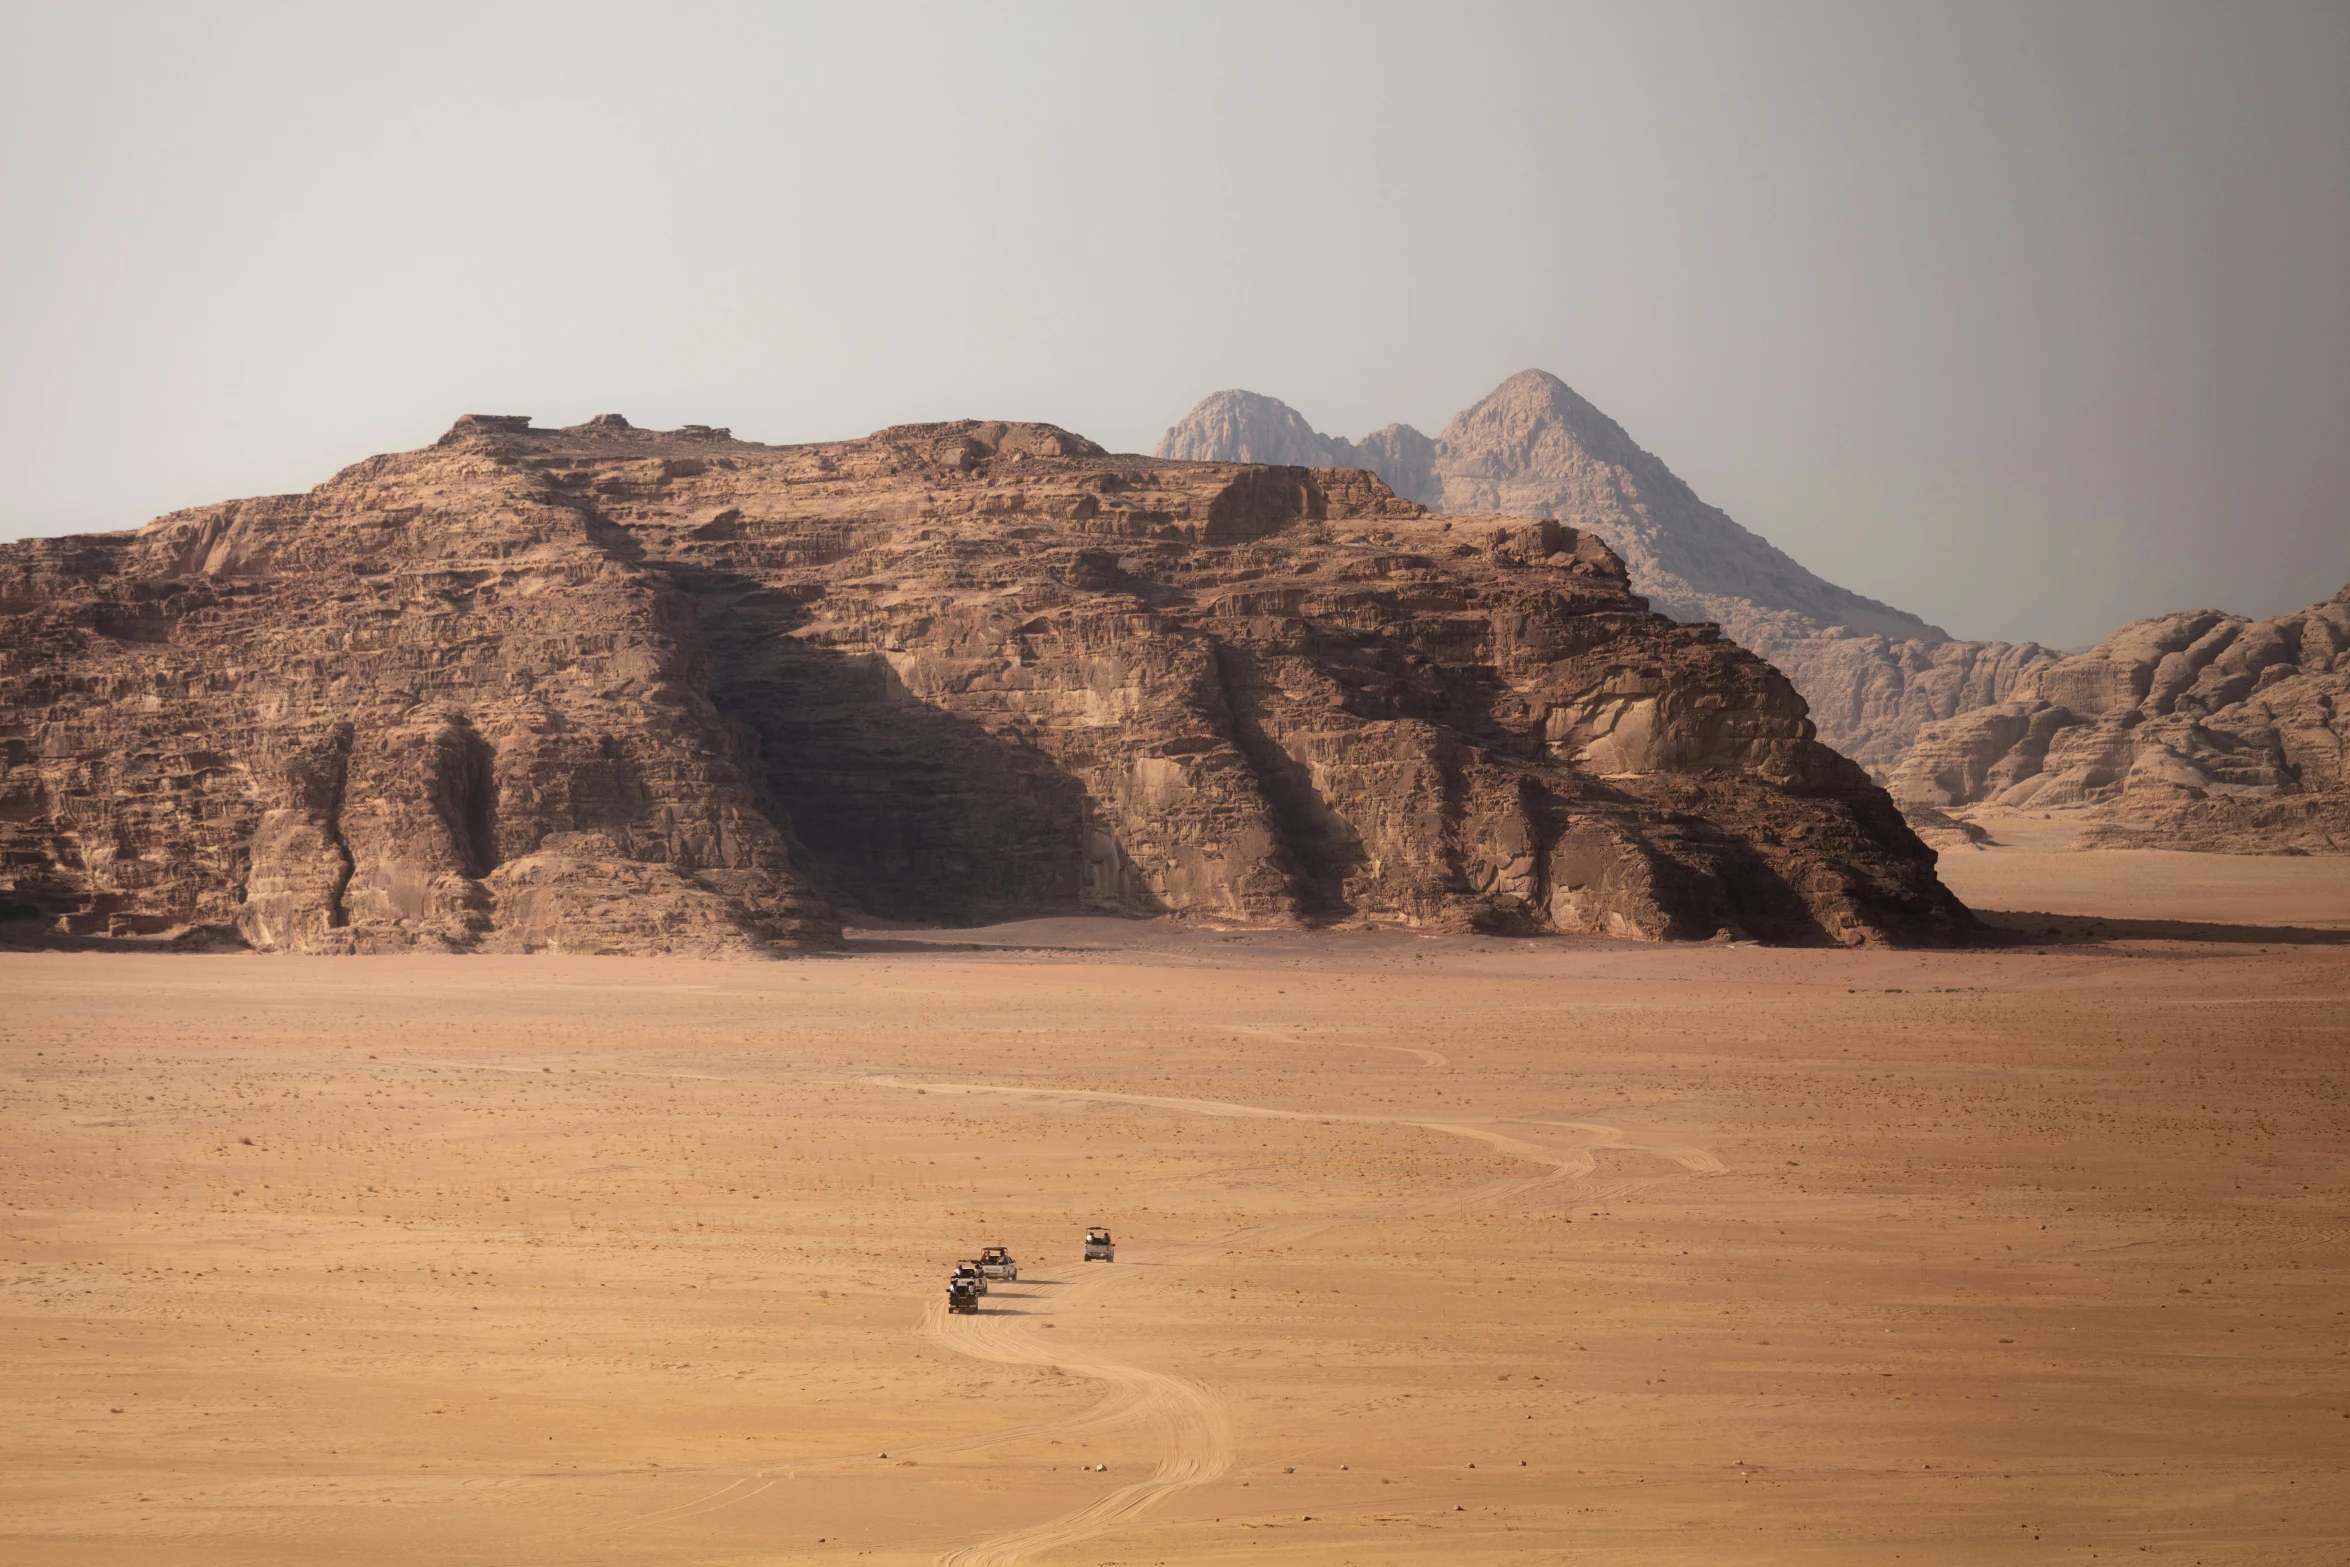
(1534, 448)
(2198, 730)
(602, 688)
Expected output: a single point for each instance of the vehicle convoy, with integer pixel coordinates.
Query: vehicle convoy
(1099, 1247)
(997, 1263)
(962, 1296)
(968, 1272)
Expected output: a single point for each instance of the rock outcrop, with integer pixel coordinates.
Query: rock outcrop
(430, 704)
(2199, 730)
(601, 688)
(1534, 448)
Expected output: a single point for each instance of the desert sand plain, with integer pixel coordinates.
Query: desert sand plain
(1431, 1249)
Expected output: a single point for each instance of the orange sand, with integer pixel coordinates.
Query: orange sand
(1430, 1251)
(2027, 865)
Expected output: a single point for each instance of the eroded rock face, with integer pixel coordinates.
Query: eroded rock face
(2198, 730)
(602, 688)
(432, 704)
(1534, 448)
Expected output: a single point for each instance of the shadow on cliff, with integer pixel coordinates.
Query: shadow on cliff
(1704, 884)
(905, 811)
(35, 931)
(1317, 849)
(908, 812)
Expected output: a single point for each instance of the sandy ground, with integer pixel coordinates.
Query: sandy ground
(1431, 1250)
(2027, 866)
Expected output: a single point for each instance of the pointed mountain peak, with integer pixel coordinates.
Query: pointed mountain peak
(1242, 426)
(1534, 405)
(1536, 447)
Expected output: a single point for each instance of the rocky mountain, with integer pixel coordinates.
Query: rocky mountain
(432, 703)
(1534, 448)
(602, 688)
(2198, 730)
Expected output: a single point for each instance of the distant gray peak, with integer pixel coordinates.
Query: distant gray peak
(1534, 408)
(1243, 426)
(1535, 447)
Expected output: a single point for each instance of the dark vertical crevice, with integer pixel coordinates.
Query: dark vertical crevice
(339, 777)
(465, 795)
(1453, 807)
(477, 803)
(1315, 848)
(1546, 820)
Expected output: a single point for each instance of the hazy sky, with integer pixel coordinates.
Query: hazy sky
(2029, 319)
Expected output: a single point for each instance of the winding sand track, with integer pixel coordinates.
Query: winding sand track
(1190, 1415)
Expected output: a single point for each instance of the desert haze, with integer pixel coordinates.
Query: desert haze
(1430, 1248)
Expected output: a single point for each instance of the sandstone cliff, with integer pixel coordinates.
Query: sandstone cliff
(1534, 448)
(431, 704)
(602, 688)
(2196, 731)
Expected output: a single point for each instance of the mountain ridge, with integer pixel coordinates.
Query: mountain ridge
(1535, 447)
(608, 689)
(2194, 730)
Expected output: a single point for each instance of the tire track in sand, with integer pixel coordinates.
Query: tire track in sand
(1190, 1415)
